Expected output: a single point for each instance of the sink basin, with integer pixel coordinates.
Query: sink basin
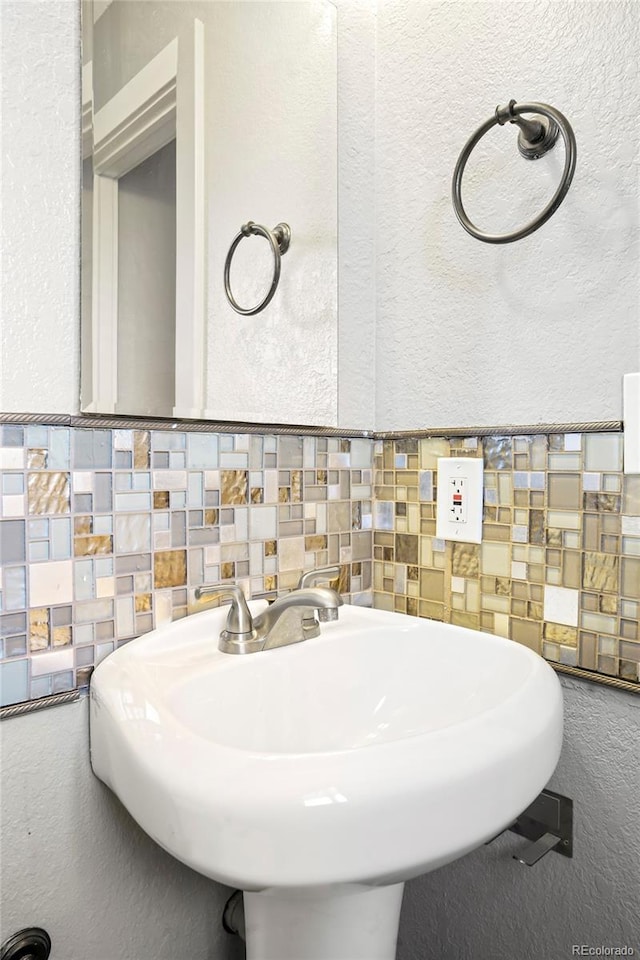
(382, 749)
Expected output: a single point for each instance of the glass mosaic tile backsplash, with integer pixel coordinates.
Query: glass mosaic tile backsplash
(104, 535)
(558, 568)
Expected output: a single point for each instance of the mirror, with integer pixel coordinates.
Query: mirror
(199, 116)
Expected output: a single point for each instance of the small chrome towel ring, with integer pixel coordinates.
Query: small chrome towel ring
(536, 137)
(279, 238)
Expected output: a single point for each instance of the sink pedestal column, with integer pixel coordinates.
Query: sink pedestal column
(334, 923)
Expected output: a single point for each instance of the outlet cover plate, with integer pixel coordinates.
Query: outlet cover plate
(459, 504)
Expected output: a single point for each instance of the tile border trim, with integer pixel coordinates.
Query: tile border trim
(42, 703)
(236, 426)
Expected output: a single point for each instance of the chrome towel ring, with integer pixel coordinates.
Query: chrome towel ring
(279, 238)
(536, 137)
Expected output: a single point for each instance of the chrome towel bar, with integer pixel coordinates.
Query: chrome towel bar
(279, 238)
(537, 136)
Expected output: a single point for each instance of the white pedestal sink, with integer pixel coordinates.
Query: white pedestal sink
(318, 777)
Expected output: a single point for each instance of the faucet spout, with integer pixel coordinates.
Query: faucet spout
(284, 621)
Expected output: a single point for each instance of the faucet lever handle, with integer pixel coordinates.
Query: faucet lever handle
(239, 620)
(322, 574)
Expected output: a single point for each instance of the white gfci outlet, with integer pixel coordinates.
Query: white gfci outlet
(459, 505)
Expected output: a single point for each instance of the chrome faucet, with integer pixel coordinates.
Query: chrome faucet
(288, 620)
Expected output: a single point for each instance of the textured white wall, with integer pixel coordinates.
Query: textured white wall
(489, 907)
(542, 329)
(40, 206)
(75, 863)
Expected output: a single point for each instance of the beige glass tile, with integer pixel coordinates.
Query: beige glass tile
(608, 665)
(598, 622)
(571, 568)
(631, 546)
(412, 606)
(519, 552)
(539, 452)
(170, 568)
(536, 592)
(504, 489)
(48, 493)
(602, 502)
(589, 601)
(521, 498)
(39, 629)
(141, 449)
(469, 620)
(554, 576)
(629, 670)
(61, 636)
(92, 546)
(564, 491)
(603, 451)
(631, 496)
(527, 633)
(521, 517)
(590, 532)
(432, 585)
(496, 531)
(465, 560)
(536, 572)
(630, 651)
(565, 461)
(430, 450)
(535, 610)
(439, 560)
(554, 537)
(426, 552)
(600, 572)
(406, 548)
(496, 559)
(519, 607)
(551, 651)
(561, 519)
(473, 596)
(588, 645)
(521, 461)
(382, 601)
(630, 609)
(504, 515)
(434, 611)
(610, 523)
(487, 621)
(630, 578)
(495, 604)
(536, 526)
(612, 483)
(501, 625)
(457, 602)
(554, 558)
(557, 633)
